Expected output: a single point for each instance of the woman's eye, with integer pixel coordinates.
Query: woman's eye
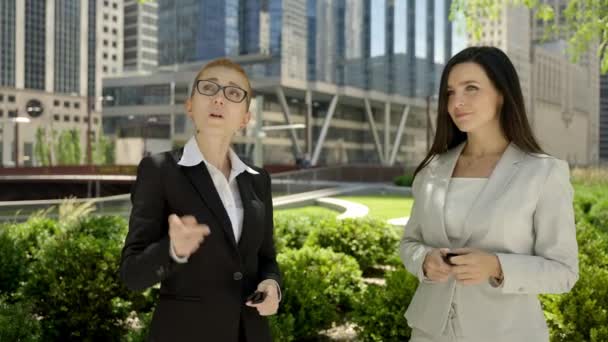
(472, 88)
(450, 93)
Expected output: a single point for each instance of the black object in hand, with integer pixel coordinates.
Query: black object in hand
(257, 297)
(448, 258)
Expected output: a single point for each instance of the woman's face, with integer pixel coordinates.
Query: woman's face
(473, 101)
(216, 114)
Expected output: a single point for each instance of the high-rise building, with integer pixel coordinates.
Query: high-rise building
(194, 30)
(140, 35)
(360, 75)
(50, 72)
(109, 33)
(561, 97)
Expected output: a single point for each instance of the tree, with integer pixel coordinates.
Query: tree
(67, 148)
(42, 150)
(103, 151)
(585, 22)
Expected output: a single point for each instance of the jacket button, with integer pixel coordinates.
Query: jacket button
(237, 276)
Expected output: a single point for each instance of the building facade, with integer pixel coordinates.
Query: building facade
(50, 72)
(561, 97)
(140, 35)
(359, 77)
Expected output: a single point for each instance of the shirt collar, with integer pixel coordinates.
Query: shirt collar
(192, 156)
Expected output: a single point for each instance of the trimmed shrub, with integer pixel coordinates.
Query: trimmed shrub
(404, 180)
(291, 230)
(18, 244)
(74, 285)
(369, 241)
(12, 264)
(319, 284)
(18, 323)
(581, 314)
(282, 327)
(598, 215)
(379, 311)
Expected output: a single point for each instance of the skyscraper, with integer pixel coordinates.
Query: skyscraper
(140, 35)
(339, 66)
(50, 71)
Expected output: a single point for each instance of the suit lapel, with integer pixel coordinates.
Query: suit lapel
(440, 177)
(201, 180)
(253, 209)
(477, 222)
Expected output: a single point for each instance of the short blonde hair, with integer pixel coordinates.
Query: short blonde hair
(229, 64)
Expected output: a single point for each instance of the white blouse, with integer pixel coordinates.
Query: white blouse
(461, 195)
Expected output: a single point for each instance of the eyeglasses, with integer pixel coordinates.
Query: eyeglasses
(231, 93)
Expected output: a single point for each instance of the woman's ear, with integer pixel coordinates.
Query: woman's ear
(245, 120)
(188, 107)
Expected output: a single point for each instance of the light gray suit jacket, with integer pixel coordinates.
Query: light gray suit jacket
(525, 216)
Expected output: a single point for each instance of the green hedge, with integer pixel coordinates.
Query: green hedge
(18, 322)
(379, 312)
(369, 241)
(292, 230)
(404, 180)
(74, 283)
(582, 314)
(59, 280)
(18, 244)
(319, 285)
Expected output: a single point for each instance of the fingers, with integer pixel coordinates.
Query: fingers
(186, 233)
(268, 307)
(189, 220)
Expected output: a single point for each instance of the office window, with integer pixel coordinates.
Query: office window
(76, 105)
(66, 104)
(105, 29)
(12, 113)
(56, 103)
(1, 97)
(11, 98)
(56, 117)
(77, 119)
(1, 113)
(66, 118)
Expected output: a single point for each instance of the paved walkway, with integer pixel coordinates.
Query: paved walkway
(349, 209)
(400, 221)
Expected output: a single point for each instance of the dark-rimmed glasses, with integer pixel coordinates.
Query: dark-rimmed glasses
(231, 93)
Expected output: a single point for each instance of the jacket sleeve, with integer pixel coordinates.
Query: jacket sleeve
(554, 266)
(145, 259)
(412, 250)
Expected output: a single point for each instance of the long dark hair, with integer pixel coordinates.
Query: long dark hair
(513, 118)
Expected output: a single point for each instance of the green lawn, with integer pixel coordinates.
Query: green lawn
(384, 206)
(381, 206)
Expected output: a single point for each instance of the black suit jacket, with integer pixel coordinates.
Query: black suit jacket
(202, 300)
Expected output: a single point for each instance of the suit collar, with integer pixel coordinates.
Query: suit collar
(193, 156)
(441, 175)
